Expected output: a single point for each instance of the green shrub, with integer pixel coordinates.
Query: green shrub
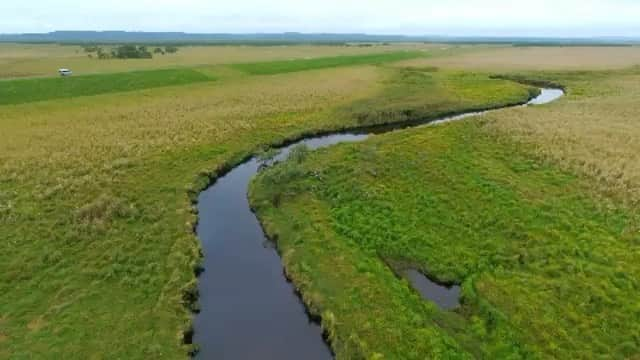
(299, 153)
(131, 52)
(170, 49)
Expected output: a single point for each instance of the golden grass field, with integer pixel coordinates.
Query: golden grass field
(502, 59)
(120, 125)
(595, 130)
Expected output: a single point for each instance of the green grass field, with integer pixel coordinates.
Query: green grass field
(278, 67)
(547, 259)
(96, 214)
(39, 89)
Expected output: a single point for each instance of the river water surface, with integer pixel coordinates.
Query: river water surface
(248, 308)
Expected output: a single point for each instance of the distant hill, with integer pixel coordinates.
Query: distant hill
(180, 37)
(106, 37)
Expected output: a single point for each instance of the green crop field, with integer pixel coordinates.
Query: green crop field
(533, 210)
(39, 89)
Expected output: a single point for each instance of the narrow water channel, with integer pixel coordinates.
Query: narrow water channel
(248, 309)
(447, 297)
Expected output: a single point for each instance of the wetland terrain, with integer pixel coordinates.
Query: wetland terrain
(526, 217)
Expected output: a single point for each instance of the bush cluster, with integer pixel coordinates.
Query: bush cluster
(127, 52)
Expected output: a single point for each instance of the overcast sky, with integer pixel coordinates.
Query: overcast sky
(414, 17)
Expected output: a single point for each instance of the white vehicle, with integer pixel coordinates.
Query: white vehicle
(65, 72)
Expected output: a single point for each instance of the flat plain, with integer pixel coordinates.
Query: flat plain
(30, 60)
(96, 193)
(526, 58)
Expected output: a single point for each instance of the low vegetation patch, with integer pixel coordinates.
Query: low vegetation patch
(285, 66)
(30, 90)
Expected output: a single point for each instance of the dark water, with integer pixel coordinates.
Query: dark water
(446, 297)
(248, 309)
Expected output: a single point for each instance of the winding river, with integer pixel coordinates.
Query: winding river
(248, 308)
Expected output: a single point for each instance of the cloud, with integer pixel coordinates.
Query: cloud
(454, 17)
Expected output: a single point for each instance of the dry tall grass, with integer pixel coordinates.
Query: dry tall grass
(594, 130)
(90, 129)
(538, 58)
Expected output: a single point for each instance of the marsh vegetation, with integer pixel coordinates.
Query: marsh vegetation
(98, 174)
(95, 195)
(509, 205)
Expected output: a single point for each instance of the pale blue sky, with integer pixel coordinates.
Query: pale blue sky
(415, 17)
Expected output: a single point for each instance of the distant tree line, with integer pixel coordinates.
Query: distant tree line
(366, 44)
(127, 51)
